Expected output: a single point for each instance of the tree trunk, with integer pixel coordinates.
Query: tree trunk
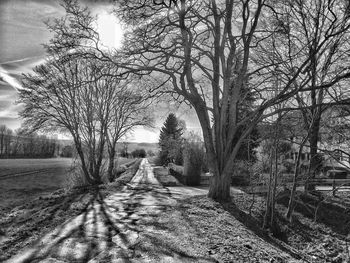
(111, 166)
(314, 160)
(274, 186)
(220, 187)
(84, 167)
(268, 208)
(294, 187)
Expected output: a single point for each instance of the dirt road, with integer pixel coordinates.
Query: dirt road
(110, 228)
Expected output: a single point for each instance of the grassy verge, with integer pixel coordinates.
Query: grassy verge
(163, 176)
(124, 177)
(198, 229)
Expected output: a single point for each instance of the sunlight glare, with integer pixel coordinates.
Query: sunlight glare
(110, 30)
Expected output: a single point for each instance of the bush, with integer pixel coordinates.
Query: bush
(124, 153)
(172, 152)
(76, 177)
(67, 151)
(289, 166)
(138, 153)
(178, 172)
(193, 162)
(150, 153)
(241, 173)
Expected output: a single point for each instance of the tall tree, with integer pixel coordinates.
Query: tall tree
(71, 96)
(170, 139)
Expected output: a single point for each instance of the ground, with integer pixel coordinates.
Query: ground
(137, 219)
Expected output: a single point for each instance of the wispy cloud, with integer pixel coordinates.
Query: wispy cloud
(5, 75)
(11, 112)
(20, 60)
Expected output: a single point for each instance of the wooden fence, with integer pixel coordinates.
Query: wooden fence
(336, 184)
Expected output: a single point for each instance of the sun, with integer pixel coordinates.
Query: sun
(110, 30)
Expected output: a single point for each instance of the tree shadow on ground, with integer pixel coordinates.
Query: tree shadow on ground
(105, 228)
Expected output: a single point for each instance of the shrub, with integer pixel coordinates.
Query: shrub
(67, 151)
(172, 152)
(289, 166)
(150, 153)
(241, 173)
(124, 153)
(193, 162)
(178, 172)
(138, 153)
(75, 176)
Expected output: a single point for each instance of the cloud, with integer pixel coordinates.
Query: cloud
(5, 75)
(10, 122)
(11, 112)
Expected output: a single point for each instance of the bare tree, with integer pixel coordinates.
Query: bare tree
(129, 109)
(70, 95)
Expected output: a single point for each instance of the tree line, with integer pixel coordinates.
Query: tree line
(21, 145)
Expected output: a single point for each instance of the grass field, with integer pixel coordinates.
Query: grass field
(22, 180)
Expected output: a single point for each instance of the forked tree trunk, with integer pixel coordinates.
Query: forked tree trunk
(88, 178)
(92, 179)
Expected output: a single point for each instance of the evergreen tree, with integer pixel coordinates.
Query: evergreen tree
(170, 141)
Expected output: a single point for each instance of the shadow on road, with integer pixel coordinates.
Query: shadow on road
(108, 229)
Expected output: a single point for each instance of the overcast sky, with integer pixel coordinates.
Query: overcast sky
(22, 33)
